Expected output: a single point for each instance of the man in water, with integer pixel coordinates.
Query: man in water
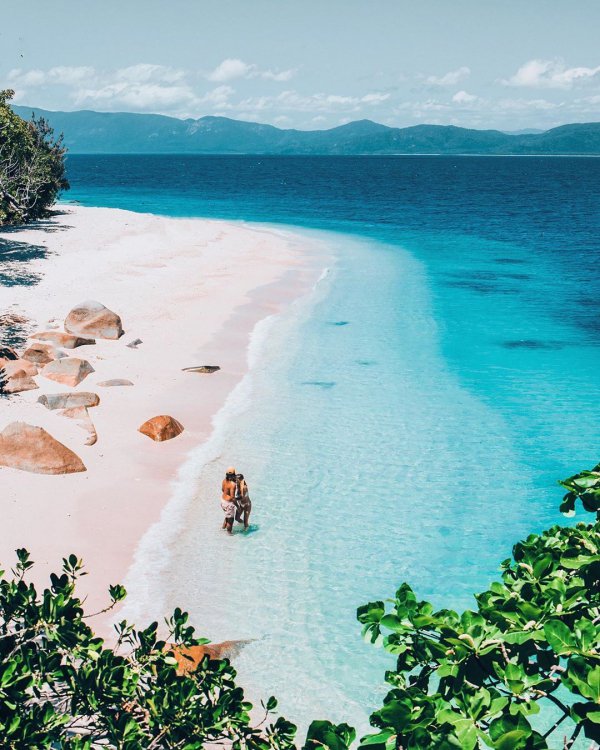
(229, 490)
(244, 506)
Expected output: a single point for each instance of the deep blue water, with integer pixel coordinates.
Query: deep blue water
(415, 442)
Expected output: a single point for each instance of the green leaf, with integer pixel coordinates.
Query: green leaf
(559, 637)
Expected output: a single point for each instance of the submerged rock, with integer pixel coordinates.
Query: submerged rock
(70, 371)
(134, 344)
(94, 319)
(161, 428)
(205, 369)
(115, 382)
(190, 657)
(66, 340)
(29, 448)
(54, 401)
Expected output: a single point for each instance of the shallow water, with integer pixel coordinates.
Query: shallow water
(408, 422)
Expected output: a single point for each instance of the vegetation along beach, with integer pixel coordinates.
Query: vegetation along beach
(299, 376)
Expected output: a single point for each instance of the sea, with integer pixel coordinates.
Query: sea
(405, 422)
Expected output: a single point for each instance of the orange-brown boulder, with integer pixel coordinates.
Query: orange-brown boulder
(69, 400)
(161, 428)
(20, 382)
(69, 371)
(29, 448)
(94, 319)
(14, 366)
(41, 354)
(188, 658)
(66, 340)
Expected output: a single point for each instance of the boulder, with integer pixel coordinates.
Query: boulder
(19, 382)
(161, 428)
(54, 401)
(94, 319)
(204, 369)
(17, 365)
(69, 371)
(81, 414)
(7, 352)
(66, 340)
(29, 448)
(114, 382)
(41, 354)
(189, 657)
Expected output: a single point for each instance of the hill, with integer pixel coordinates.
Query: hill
(121, 132)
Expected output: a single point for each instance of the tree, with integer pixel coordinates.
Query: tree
(479, 679)
(61, 687)
(3, 382)
(32, 167)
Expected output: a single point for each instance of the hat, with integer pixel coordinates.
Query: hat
(230, 470)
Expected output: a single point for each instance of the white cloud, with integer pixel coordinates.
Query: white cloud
(230, 69)
(18, 77)
(144, 72)
(449, 79)
(463, 97)
(67, 76)
(550, 74)
(233, 68)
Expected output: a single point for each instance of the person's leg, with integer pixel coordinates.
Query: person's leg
(247, 510)
(230, 525)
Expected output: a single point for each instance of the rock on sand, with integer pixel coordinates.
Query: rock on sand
(161, 428)
(94, 319)
(69, 371)
(29, 448)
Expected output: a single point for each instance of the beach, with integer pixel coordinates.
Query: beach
(191, 291)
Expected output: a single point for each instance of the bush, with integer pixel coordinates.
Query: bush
(32, 168)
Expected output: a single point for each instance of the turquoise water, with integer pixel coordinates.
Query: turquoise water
(406, 422)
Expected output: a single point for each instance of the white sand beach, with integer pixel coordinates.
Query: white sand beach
(192, 291)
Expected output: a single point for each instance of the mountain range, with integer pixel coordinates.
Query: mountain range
(91, 132)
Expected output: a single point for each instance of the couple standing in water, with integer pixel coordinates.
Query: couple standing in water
(235, 500)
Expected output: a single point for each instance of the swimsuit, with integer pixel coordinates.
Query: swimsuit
(228, 508)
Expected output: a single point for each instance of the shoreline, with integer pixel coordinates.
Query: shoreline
(204, 312)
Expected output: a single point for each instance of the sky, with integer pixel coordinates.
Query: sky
(505, 64)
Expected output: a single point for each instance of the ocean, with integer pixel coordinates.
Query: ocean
(406, 422)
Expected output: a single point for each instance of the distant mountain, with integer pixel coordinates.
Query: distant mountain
(88, 132)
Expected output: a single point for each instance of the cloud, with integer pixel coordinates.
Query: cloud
(449, 79)
(550, 74)
(462, 97)
(18, 77)
(144, 72)
(233, 68)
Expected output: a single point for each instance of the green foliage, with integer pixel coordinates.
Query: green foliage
(476, 679)
(61, 687)
(32, 169)
(584, 486)
(3, 381)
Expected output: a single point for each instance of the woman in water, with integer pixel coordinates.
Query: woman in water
(228, 493)
(244, 505)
